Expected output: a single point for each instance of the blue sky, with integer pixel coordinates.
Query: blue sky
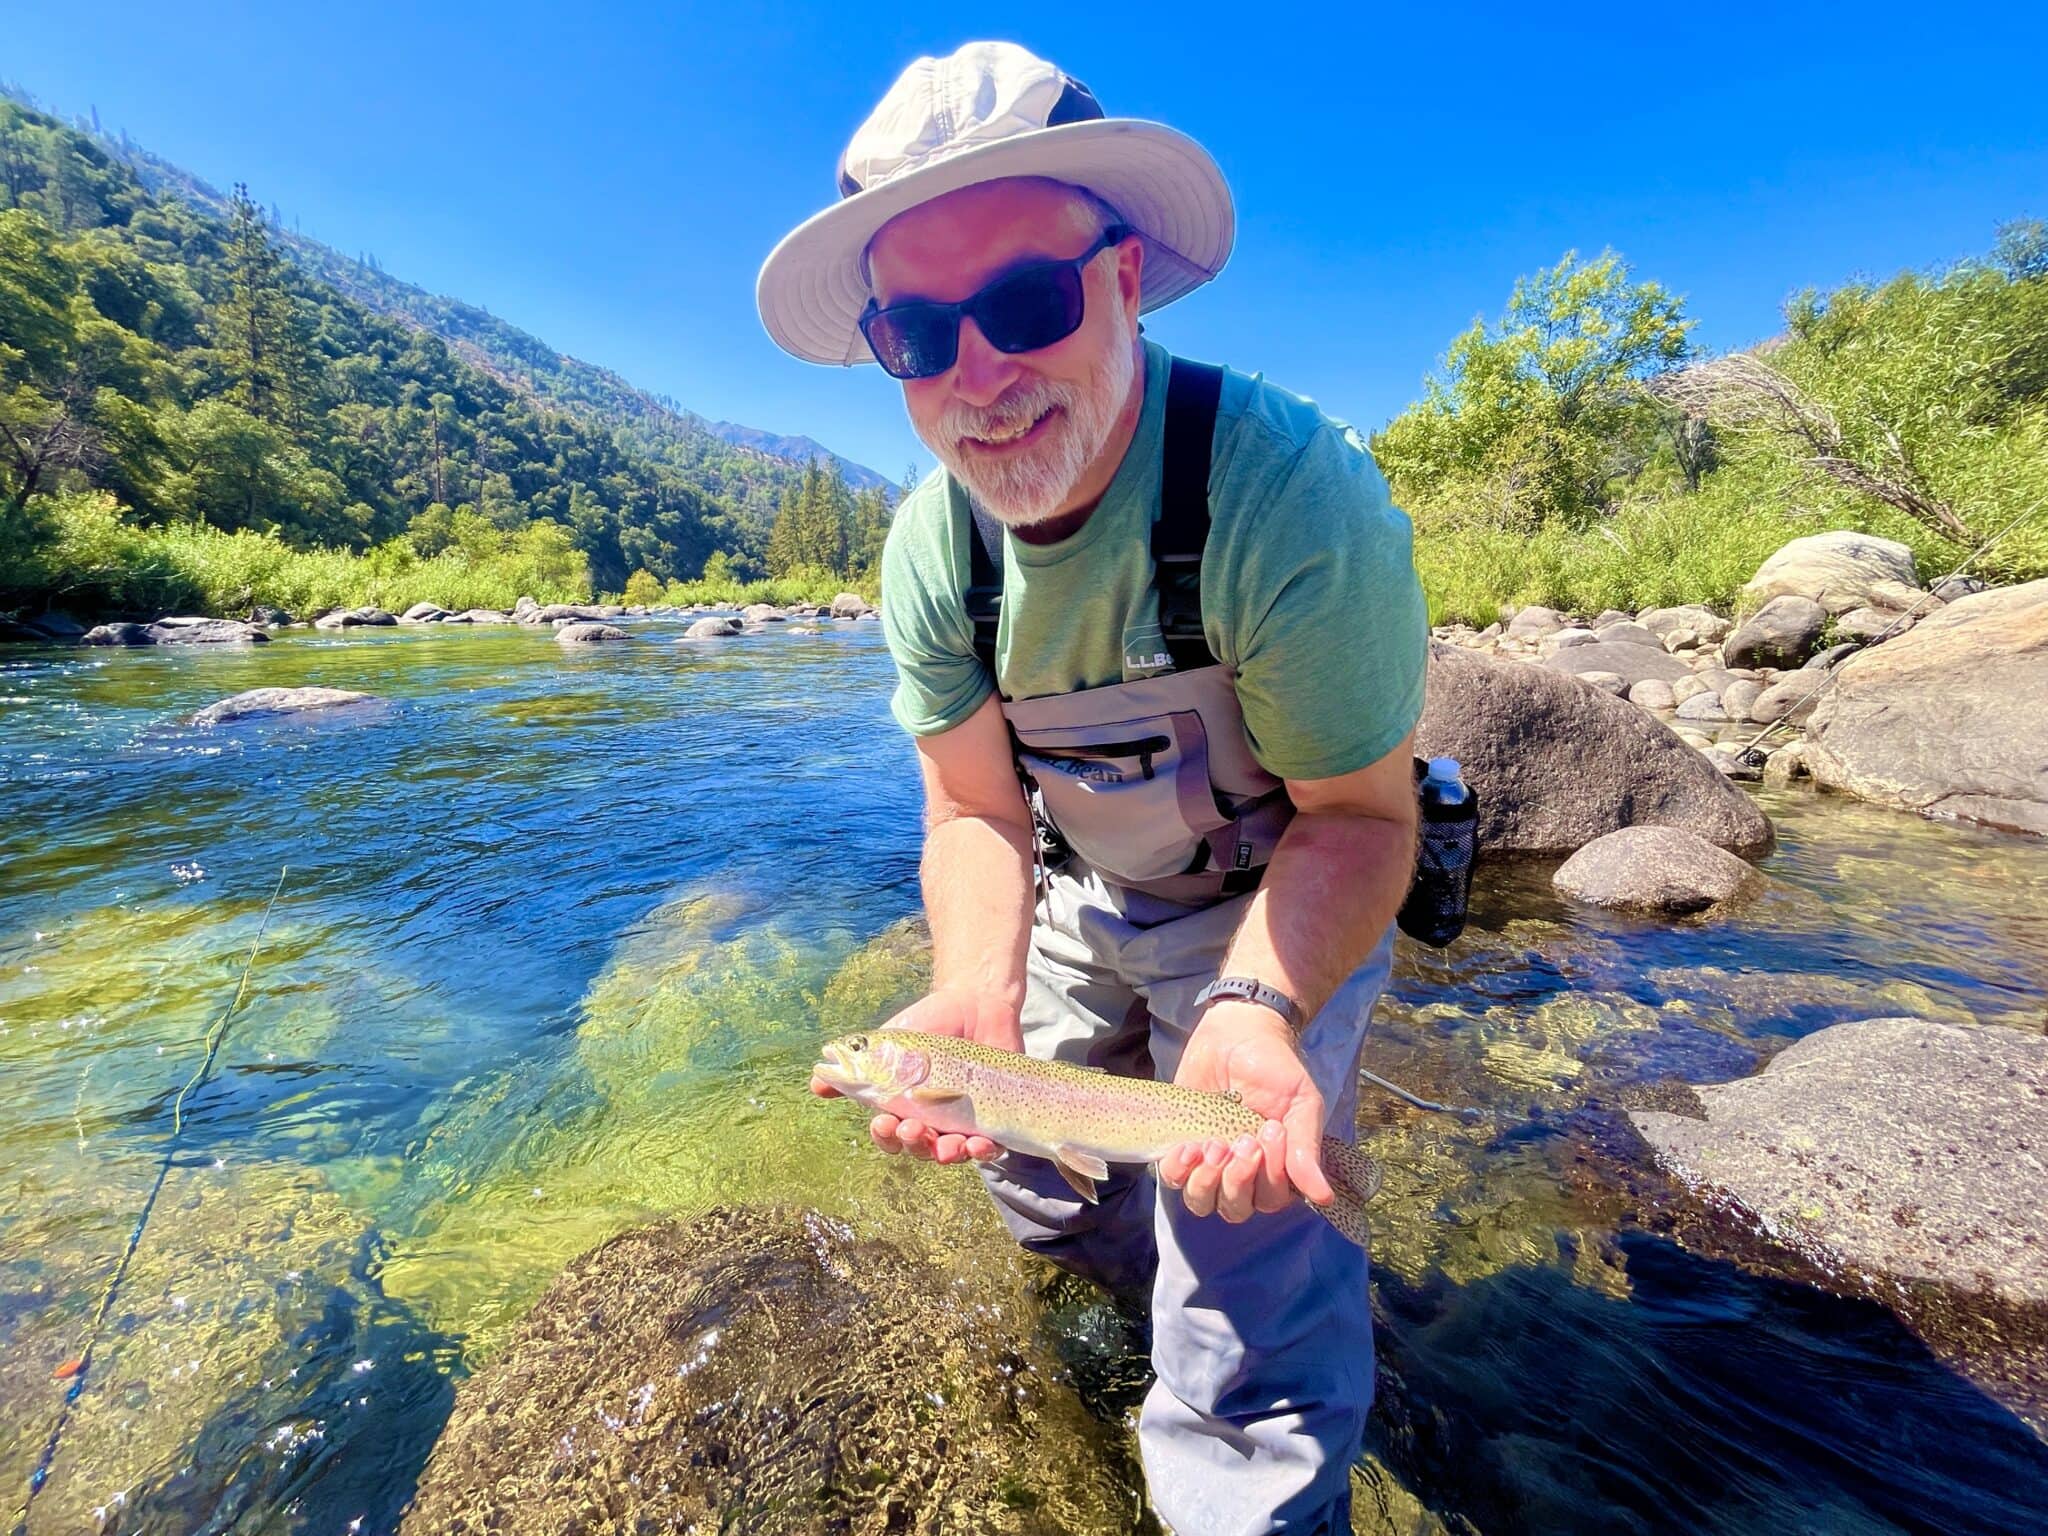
(610, 176)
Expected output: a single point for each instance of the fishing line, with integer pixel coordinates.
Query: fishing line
(216, 1037)
(1829, 676)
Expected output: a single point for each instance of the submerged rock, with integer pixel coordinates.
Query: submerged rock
(1949, 719)
(1907, 1148)
(277, 701)
(1655, 869)
(1839, 571)
(1557, 764)
(118, 634)
(204, 632)
(766, 1372)
(589, 633)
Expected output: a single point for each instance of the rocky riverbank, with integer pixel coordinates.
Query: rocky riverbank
(1843, 669)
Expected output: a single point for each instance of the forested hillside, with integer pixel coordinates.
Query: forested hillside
(176, 359)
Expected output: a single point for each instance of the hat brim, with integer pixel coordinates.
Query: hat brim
(1162, 182)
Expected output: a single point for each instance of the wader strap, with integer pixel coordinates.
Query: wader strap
(984, 597)
(1178, 538)
(1193, 391)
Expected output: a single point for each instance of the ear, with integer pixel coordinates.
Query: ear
(1130, 270)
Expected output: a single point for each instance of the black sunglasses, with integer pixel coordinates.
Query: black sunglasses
(1020, 311)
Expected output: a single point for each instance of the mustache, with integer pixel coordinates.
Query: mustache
(1019, 408)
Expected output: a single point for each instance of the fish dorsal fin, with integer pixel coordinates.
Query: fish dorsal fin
(1080, 1170)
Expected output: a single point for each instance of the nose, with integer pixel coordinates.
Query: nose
(981, 374)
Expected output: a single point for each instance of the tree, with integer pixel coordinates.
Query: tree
(643, 590)
(1533, 417)
(258, 330)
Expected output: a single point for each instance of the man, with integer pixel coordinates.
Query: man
(1160, 645)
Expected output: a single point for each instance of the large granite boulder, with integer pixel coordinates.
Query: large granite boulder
(1840, 571)
(1628, 632)
(278, 701)
(573, 612)
(1557, 764)
(712, 629)
(768, 1373)
(184, 631)
(1655, 869)
(1903, 1148)
(423, 613)
(849, 605)
(763, 613)
(1782, 633)
(1632, 663)
(1949, 719)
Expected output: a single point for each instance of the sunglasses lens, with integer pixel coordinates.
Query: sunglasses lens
(1033, 309)
(912, 342)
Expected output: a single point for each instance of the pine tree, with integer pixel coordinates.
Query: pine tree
(257, 328)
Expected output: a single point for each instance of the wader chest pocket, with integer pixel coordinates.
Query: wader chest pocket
(1132, 797)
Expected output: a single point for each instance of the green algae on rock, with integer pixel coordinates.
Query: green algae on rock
(769, 1372)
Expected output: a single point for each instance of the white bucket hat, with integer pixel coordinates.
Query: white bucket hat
(989, 111)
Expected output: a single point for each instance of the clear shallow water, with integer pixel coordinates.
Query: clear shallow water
(559, 934)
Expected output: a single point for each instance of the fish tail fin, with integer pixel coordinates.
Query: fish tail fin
(1355, 1179)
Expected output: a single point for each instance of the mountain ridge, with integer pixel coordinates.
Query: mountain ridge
(514, 356)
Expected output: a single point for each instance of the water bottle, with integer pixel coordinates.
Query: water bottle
(1434, 912)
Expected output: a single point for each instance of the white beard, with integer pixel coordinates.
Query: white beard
(1031, 486)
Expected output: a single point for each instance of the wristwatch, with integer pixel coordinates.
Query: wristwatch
(1256, 992)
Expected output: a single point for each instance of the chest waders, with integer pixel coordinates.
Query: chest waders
(1151, 780)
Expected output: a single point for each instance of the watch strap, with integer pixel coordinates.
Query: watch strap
(1252, 990)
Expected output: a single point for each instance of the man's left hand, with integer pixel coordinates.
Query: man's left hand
(1242, 1047)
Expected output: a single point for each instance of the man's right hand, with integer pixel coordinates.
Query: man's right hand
(965, 1016)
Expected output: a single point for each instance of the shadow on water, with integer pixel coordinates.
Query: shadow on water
(1712, 1400)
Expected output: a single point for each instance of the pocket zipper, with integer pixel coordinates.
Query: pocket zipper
(1142, 749)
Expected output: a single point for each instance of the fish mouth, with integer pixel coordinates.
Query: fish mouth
(832, 1066)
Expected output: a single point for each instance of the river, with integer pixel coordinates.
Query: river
(557, 933)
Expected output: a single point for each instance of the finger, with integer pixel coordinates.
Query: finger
(1178, 1163)
(1305, 1151)
(916, 1137)
(1240, 1180)
(949, 1148)
(981, 1148)
(823, 1089)
(1273, 1192)
(882, 1132)
(1200, 1190)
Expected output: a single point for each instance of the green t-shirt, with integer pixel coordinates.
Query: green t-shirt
(1308, 588)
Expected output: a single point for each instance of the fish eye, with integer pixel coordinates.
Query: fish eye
(856, 1042)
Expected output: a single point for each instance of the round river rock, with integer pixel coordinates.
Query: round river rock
(772, 1373)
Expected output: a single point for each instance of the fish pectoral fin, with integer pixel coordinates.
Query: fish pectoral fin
(1080, 1169)
(934, 1097)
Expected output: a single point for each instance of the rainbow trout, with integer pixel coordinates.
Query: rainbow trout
(1080, 1118)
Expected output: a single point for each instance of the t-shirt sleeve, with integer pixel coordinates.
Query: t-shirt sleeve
(1324, 616)
(939, 679)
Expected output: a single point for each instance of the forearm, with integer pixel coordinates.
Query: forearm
(1334, 884)
(978, 895)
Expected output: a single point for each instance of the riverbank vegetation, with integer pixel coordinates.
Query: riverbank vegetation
(1578, 452)
(187, 417)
